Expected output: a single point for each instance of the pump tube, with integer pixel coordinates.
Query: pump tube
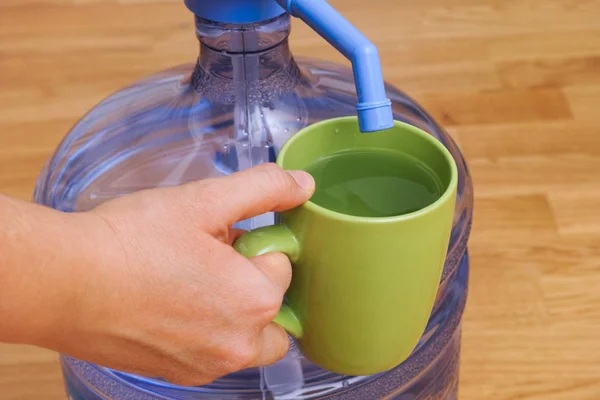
(374, 108)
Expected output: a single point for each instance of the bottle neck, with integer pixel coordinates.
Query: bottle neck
(245, 53)
(243, 38)
(245, 71)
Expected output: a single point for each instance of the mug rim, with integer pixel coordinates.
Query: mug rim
(449, 192)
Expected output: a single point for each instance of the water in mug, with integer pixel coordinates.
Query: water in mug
(373, 183)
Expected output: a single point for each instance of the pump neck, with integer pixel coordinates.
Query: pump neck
(243, 38)
(245, 64)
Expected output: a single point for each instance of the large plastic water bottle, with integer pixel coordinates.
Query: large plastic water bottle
(234, 108)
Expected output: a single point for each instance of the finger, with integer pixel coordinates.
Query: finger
(277, 267)
(274, 345)
(232, 235)
(258, 190)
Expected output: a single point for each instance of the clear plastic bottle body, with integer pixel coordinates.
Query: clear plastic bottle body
(234, 109)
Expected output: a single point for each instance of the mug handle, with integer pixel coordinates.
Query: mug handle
(269, 239)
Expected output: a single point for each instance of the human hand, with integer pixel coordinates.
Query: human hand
(171, 297)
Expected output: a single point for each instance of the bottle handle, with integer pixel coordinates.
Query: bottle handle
(268, 239)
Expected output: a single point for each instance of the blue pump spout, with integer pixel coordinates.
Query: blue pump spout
(374, 108)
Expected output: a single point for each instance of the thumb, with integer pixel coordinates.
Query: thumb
(258, 190)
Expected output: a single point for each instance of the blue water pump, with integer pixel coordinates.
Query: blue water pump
(374, 108)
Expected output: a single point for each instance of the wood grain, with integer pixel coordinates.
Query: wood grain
(517, 83)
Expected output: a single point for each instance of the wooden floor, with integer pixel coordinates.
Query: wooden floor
(517, 82)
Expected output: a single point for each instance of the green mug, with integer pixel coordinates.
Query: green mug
(362, 288)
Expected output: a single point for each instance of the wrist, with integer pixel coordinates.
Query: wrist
(88, 248)
(46, 260)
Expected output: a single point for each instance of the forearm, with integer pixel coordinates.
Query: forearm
(43, 253)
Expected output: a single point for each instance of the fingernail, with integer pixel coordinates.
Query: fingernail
(303, 179)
